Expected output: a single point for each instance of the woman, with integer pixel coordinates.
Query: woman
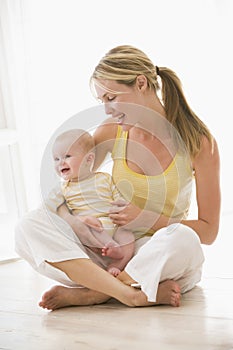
(157, 147)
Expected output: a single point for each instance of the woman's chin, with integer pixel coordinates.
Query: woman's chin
(126, 127)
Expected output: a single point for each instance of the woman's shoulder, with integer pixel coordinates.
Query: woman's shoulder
(106, 131)
(208, 152)
(105, 135)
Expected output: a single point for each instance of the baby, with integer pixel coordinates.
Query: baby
(88, 194)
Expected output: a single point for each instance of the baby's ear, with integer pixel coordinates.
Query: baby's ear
(90, 157)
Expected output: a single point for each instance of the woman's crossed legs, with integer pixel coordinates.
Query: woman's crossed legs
(100, 286)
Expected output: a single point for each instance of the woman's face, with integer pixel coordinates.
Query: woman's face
(121, 101)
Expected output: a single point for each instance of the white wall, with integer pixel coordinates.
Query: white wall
(66, 39)
(63, 40)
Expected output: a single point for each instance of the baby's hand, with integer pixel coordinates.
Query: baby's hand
(92, 222)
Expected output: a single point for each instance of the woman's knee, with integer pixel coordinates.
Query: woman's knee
(27, 228)
(25, 221)
(183, 233)
(187, 243)
(28, 224)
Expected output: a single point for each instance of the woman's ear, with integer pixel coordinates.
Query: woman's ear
(141, 82)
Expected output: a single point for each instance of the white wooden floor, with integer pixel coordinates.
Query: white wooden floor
(204, 321)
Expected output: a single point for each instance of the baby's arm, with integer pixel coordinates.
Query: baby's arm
(92, 222)
(92, 238)
(98, 237)
(53, 200)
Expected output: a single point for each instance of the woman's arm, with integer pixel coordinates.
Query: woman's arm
(132, 217)
(208, 193)
(104, 137)
(208, 196)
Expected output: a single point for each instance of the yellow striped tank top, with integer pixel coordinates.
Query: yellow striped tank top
(168, 193)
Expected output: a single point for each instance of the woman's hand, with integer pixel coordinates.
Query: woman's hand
(125, 214)
(131, 217)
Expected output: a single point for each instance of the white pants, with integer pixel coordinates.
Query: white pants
(173, 252)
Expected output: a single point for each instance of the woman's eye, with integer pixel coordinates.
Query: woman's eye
(67, 156)
(111, 98)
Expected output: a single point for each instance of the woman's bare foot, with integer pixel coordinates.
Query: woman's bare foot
(168, 293)
(59, 296)
(114, 252)
(125, 278)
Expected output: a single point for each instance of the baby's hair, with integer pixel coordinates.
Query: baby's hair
(82, 137)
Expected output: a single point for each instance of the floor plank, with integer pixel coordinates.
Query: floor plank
(204, 320)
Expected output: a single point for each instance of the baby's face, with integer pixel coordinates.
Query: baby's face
(68, 159)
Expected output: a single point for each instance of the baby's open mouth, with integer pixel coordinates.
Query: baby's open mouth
(65, 170)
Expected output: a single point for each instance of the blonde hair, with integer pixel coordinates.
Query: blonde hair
(83, 139)
(124, 63)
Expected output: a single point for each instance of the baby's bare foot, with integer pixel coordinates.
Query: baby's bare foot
(114, 252)
(114, 271)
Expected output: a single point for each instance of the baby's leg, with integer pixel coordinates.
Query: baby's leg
(126, 241)
(109, 247)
